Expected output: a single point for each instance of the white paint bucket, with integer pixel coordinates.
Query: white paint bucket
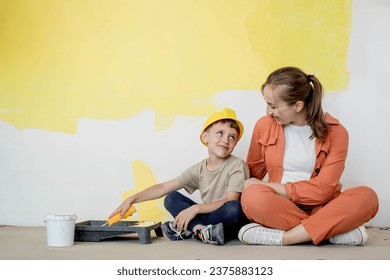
(60, 229)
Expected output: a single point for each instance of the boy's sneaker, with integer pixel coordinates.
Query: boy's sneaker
(212, 234)
(356, 237)
(173, 233)
(256, 234)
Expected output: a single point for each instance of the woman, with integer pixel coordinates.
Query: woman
(303, 151)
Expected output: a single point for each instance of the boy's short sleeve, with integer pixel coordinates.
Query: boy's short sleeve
(239, 172)
(190, 179)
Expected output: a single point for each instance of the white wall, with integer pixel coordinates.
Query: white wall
(86, 173)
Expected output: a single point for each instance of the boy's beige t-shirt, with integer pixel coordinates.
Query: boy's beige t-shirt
(214, 185)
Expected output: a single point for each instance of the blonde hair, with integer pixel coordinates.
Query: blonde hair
(297, 86)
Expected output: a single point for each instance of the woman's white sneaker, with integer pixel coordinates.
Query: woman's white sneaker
(356, 237)
(256, 234)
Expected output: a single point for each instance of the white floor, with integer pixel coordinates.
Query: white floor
(29, 243)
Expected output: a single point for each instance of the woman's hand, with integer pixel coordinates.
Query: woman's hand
(279, 188)
(252, 181)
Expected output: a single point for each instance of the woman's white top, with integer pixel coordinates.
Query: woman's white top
(299, 153)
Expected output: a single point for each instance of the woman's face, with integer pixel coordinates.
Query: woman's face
(279, 109)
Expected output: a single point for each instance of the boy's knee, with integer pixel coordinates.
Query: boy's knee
(170, 198)
(233, 209)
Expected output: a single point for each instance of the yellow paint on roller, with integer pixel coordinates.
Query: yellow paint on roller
(65, 60)
(117, 217)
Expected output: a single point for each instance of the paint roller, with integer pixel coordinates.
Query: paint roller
(117, 217)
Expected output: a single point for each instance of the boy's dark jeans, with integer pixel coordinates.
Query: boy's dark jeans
(230, 214)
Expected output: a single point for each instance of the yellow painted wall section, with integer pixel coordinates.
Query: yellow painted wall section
(150, 211)
(65, 60)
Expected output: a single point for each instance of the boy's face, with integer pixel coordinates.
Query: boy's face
(221, 139)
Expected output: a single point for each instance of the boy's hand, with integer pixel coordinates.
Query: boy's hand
(184, 217)
(122, 208)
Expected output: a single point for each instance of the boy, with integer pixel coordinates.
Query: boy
(219, 178)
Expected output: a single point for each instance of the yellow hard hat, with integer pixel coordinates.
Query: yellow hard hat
(226, 113)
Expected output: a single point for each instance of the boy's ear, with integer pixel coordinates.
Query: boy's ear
(204, 137)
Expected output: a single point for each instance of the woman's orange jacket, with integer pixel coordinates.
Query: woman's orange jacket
(266, 153)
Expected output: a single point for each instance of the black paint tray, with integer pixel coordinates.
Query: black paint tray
(93, 231)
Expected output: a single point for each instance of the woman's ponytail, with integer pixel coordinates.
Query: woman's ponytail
(315, 116)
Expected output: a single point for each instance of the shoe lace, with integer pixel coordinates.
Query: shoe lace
(268, 236)
(206, 236)
(182, 234)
